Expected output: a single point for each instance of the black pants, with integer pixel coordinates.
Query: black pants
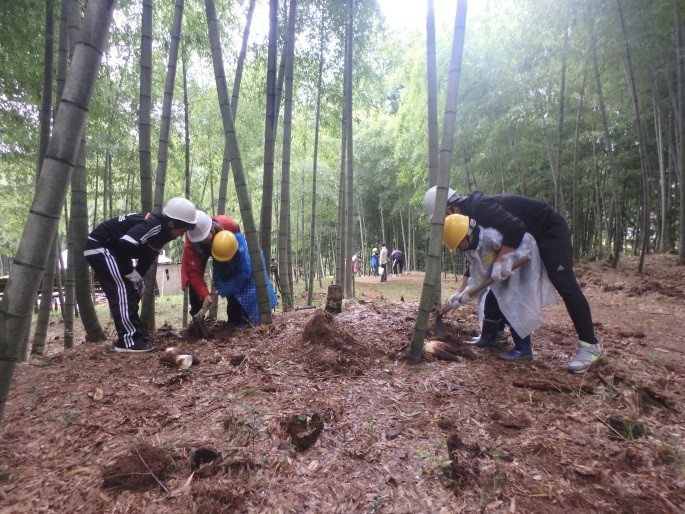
(194, 301)
(556, 253)
(491, 311)
(121, 296)
(397, 267)
(235, 313)
(384, 275)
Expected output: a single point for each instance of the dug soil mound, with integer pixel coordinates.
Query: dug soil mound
(328, 348)
(321, 413)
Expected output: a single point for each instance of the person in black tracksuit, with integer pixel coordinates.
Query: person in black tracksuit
(109, 250)
(397, 261)
(515, 215)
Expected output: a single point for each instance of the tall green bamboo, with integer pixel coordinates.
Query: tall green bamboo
(680, 53)
(433, 142)
(239, 179)
(147, 314)
(284, 232)
(43, 217)
(444, 163)
(269, 132)
(349, 182)
(315, 160)
(144, 108)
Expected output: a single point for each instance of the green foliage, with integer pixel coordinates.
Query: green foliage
(507, 115)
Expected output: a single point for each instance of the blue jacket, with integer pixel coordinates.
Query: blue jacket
(234, 278)
(374, 259)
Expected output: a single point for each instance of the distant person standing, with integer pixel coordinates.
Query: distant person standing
(397, 261)
(374, 262)
(110, 250)
(273, 267)
(355, 263)
(383, 263)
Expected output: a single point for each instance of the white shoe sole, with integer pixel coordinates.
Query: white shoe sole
(131, 350)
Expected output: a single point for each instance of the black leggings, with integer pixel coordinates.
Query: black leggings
(556, 253)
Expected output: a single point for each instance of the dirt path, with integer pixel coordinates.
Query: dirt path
(317, 413)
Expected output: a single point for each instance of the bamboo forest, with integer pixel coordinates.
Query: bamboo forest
(281, 209)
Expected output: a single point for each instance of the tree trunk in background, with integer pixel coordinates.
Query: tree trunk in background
(45, 307)
(680, 52)
(444, 164)
(433, 144)
(79, 233)
(226, 163)
(432, 86)
(349, 183)
(663, 176)
(43, 218)
(147, 312)
(575, 215)
(78, 283)
(602, 217)
(617, 231)
(340, 222)
(284, 235)
(269, 133)
(144, 109)
(246, 213)
(73, 26)
(46, 100)
(45, 122)
(559, 204)
(641, 141)
(186, 122)
(315, 160)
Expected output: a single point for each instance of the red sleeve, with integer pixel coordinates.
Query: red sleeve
(227, 223)
(193, 270)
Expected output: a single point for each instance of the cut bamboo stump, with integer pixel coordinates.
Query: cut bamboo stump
(334, 299)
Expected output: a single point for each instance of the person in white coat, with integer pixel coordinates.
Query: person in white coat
(517, 300)
(383, 262)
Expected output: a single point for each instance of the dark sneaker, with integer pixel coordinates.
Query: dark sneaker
(138, 347)
(516, 355)
(586, 355)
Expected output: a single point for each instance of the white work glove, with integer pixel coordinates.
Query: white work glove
(502, 270)
(137, 281)
(459, 299)
(207, 302)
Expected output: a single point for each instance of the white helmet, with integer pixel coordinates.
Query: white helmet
(201, 230)
(182, 210)
(429, 199)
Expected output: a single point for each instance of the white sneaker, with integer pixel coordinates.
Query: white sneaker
(586, 355)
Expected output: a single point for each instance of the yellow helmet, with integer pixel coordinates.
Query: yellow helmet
(224, 246)
(455, 230)
(374, 250)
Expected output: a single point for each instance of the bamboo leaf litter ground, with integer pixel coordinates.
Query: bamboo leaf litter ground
(474, 435)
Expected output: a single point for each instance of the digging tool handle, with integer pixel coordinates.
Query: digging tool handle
(201, 313)
(485, 283)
